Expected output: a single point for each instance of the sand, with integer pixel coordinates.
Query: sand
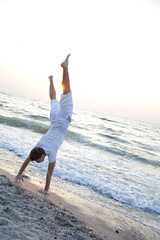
(27, 214)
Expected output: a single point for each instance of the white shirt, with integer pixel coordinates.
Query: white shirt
(60, 118)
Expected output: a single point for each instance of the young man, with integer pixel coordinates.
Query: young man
(60, 118)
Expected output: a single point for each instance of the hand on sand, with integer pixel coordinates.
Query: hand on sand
(18, 178)
(50, 77)
(65, 63)
(43, 192)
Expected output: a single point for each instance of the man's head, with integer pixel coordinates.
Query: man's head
(37, 154)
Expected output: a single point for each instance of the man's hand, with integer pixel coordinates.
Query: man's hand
(43, 192)
(18, 178)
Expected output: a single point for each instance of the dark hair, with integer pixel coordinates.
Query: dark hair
(36, 153)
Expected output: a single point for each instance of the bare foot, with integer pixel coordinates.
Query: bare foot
(65, 63)
(50, 77)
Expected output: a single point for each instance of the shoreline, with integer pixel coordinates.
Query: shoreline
(105, 223)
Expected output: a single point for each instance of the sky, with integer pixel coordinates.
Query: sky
(115, 52)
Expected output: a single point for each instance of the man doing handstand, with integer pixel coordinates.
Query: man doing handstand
(60, 118)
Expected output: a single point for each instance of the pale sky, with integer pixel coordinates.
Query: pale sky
(114, 45)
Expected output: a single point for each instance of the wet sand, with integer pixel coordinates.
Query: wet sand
(27, 214)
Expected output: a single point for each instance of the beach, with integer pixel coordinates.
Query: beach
(100, 162)
(27, 214)
(105, 183)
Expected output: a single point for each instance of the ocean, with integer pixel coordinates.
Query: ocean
(106, 159)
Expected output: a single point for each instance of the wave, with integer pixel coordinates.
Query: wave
(38, 117)
(113, 138)
(85, 140)
(136, 157)
(116, 132)
(113, 150)
(21, 123)
(7, 94)
(2, 101)
(42, 128)
(81, 139)
(105, 119)
(122, 194)
(42, 108)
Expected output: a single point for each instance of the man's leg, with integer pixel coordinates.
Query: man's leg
(52, 91)
(65, 79)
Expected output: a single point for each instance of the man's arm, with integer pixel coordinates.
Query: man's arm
(24, 165)
(49, 176)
